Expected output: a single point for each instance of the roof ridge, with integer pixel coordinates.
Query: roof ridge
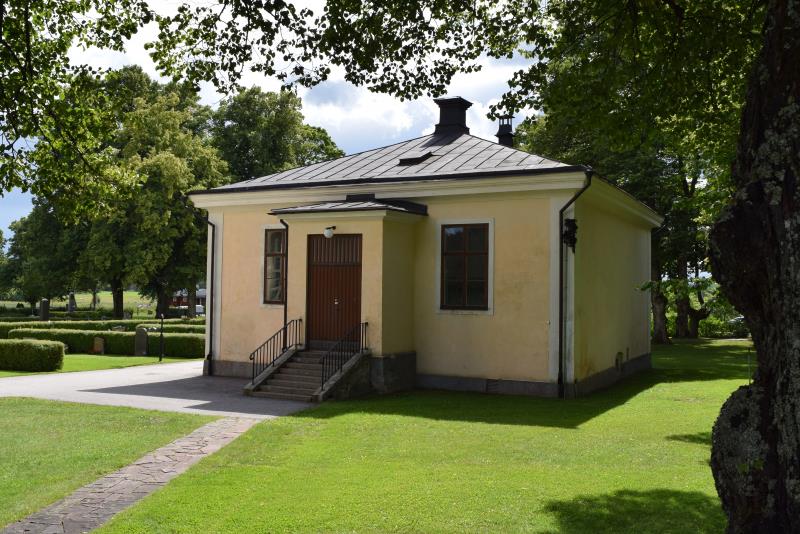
(523, 151)
(334, 159)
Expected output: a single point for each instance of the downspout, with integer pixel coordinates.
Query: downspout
(210, 297)
(561, 385)
(285, 283)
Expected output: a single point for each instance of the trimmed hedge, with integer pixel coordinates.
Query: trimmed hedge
(31, 355)
(18, 319)
(117, 343)
(177, 345)
(128, 324)
(176, 328)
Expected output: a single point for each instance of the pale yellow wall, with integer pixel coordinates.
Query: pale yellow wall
(245, 322)
(511, 342)
(371, 230)
(398, 285)
(611, 263)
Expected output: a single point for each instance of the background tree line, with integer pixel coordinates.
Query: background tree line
(706, 90)
(146, 233)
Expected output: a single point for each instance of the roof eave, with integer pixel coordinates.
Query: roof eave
(370, 181)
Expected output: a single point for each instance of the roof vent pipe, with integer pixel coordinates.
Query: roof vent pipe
(505, 134)
(452, 115)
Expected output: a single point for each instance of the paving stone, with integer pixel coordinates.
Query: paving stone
(94, 504)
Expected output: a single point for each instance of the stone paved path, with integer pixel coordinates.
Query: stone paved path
(94, 504)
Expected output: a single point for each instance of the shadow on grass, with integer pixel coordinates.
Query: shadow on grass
(700, 438)
(696, 362)
(657, 510)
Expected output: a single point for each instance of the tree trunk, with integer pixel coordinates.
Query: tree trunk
(695, 316)
(191, 304)
(94, 299)
(755, 256)
(659, 303)
(682, 305)
(682, 308)
(117, 294)
(162, 301)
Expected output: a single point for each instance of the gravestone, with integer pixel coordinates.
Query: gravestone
(44, 310)
(140, 342)
(99, 346)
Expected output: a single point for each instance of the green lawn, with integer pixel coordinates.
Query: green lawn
(631, 459)
(93, 362)
(49, 449)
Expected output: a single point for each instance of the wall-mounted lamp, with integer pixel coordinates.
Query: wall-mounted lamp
(328, 232)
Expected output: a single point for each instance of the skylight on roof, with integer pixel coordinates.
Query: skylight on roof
(412, 158)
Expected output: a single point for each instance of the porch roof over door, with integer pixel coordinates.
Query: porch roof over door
(369, 204)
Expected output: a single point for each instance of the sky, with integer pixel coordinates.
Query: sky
(355, 118)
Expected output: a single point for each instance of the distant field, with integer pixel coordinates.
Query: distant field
(131, 299)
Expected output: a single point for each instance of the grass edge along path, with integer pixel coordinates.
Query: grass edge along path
(633, 458)
(96, 362)
(48, 449)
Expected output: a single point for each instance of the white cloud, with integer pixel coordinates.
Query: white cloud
(356, 118)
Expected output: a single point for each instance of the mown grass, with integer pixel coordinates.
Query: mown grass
(94, 362)
(630, 459)
(49, 449)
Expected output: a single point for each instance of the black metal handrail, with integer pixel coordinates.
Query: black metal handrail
(351, 344)
(289, 336)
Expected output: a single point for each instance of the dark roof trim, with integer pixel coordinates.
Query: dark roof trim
(396, 179)
(402, 206)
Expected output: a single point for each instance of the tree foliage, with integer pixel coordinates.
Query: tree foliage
(259, 133)
(42, 255)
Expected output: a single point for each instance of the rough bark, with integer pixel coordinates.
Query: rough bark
(191, 302)
(695, 316)
(659, 303)
(162, 301)
(682, 305)
(682, 310)
(755, 256)
(117, 295)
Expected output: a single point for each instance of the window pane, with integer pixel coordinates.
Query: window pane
(275, 240)
(476, 293)
(454, 268)
(453, 238)
(476, 267)
(274, 290)
(477, 238)
(453, 293)
(274, 266)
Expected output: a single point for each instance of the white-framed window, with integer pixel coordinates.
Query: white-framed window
(275, 252)
(465, 266)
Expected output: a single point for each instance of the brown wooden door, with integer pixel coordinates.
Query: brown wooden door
(334, 287)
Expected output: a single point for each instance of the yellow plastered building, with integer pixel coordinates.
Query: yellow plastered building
(445, 262)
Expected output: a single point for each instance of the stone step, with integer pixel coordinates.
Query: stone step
(295, 371)
(290, 390)
(285, 382)
(282, 396)
(307, 359)
(300, 365)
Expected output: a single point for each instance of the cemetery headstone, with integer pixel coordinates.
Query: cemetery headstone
(140, 342)
(44, 310)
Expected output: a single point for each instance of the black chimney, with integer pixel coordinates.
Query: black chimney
(452, 115)
(505, 135)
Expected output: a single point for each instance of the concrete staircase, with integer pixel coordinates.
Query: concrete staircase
(297, 379)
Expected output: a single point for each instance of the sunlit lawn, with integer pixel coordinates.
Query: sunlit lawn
(631, 459)
(49, 449)
(93, 362)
